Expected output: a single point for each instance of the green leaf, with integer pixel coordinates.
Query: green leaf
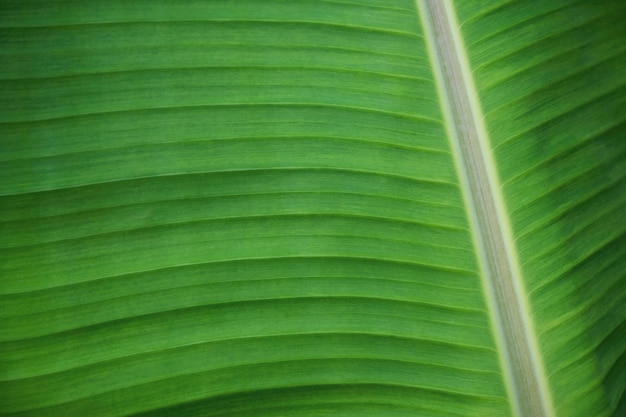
(312, 208)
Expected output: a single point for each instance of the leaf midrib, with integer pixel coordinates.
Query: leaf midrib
(516, 338)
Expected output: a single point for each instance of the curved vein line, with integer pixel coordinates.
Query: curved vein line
(259, 258)
(235, 105)
(222, 171)
(252, 216)
(278, 22)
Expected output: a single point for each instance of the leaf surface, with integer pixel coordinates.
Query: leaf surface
(256, 208)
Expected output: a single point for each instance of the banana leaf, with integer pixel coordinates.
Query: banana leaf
(312, 208)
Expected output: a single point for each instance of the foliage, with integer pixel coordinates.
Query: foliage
(252, 208)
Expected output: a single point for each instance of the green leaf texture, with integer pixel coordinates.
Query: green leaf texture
(253, 208)
(552, 88)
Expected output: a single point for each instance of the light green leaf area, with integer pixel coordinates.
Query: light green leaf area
(254, 208)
